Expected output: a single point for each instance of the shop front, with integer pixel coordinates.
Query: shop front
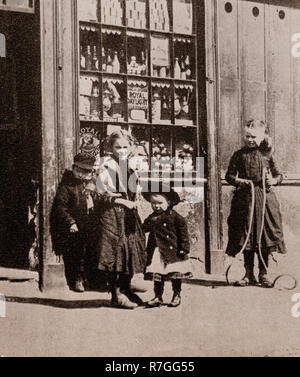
(85, 68)
(141, 66)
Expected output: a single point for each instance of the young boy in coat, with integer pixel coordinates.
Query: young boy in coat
(168, 245)
(71, 219)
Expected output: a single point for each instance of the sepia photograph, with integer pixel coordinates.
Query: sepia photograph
(149, 181)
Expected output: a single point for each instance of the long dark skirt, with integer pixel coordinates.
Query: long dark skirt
(239, 222)
(121, 245)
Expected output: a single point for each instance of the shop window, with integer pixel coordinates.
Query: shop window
(2, 46)
(139, 71)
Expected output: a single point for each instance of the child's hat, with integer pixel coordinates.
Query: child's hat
(165, 190)
(84, 161)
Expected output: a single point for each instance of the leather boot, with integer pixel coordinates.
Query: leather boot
(125, 285)
(158, 291)
(79, 286)
(176, 300)
(119, 300)
(249, 278)
(263, 272)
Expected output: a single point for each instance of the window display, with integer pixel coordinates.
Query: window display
(138, 70)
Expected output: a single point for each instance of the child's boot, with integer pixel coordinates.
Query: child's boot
(158, 290)
(125, 281)
(249, 278)
(263, 273)
(119, 300)
(176, 300)
(79, 286)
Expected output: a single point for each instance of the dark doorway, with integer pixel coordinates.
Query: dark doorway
(20, 119)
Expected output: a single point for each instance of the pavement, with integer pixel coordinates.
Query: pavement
(214, 320)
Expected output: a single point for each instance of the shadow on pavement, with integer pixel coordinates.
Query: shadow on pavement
(9, 280)
(207, 283)
(62, 304)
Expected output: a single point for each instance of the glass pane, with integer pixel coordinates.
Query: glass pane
(162, 151)
(161, 103)
(136, 14)
(185, 149)
(185, 105)
(141, 157)
(183, 16)
(112, 12)
(160, 55)
(113, 52)
(87, 10)
(89, 103)
(114, 100)
(138, 101)
(159, 15)
(137, 54)
(184, 64)
(89, 48)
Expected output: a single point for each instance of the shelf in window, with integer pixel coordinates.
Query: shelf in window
(115, 120)
(120, 75)
(116, 27)
(83, 119)
(184, 36)
(136, 30)
(91, 22)
(89, 72)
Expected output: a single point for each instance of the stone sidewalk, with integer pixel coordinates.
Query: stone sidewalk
(213, 320)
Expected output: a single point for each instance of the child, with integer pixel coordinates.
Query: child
(120, 250)
(168, 245)
(70, 218)
(248, 164)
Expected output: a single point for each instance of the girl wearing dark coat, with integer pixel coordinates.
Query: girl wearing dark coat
(120, 250)
(168, 246)
(247, 164)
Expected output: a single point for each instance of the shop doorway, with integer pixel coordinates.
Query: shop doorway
(20, 139)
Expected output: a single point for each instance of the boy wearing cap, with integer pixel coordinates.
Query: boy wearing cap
(71, 218)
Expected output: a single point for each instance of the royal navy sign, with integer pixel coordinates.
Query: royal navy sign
(25, 6)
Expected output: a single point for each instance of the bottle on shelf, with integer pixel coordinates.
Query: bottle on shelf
(185, 110)
(177, 106)
(104, 60)
(177, 69)
(143, 65)
(89, 58)
(82, 59)
(95, 59)
(156, 107)
(188, 67)
(109, 65)
(165, 113)
(95, 101)
(117, 108)
(116, 64)
(133, 67)
(183, 70)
